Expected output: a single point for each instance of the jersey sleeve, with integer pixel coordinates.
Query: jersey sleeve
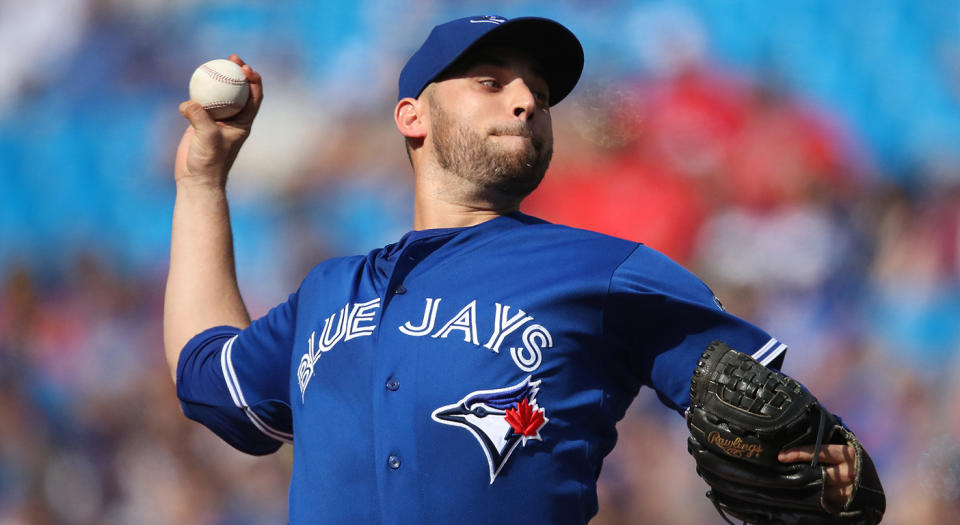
(236, 382)
(661, 318)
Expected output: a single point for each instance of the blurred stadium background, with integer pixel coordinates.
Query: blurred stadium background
(802, 157)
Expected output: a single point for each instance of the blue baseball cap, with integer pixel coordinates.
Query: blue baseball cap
(554, 48)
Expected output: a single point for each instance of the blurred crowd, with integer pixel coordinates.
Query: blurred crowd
(824, 210)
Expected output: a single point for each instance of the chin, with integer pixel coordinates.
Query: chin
(514, 145)
(522, 153)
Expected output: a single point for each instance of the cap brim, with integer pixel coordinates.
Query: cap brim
(553, 47)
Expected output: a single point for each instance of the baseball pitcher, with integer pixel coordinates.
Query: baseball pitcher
(474, 370)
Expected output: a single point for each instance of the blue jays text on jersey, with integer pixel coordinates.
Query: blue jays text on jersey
(348, 326)
(462, 375)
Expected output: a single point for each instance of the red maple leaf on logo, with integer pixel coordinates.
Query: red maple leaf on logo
(524, 419)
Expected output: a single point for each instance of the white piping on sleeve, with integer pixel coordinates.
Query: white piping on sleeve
(770, 351)
(236, 393)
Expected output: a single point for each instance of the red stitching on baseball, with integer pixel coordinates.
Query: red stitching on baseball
(219, 104)
(216, 75)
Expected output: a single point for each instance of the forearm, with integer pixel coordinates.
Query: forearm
(202, 289)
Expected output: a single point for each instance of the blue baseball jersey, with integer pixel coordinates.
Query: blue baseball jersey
(464, 375)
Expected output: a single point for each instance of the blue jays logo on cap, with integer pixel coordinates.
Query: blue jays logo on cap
(490, 19)
(500, 419)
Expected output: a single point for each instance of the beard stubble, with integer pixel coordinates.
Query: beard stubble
(489, 167)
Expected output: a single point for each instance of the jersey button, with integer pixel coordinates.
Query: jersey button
(393, 384)
(400, 289)
(393, 461)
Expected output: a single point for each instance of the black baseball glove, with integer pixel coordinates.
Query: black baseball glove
(742, 414)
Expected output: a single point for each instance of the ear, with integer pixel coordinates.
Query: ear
(409, 117)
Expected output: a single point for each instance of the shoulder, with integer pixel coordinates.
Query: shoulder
(561, 237)
(649, 271)
(635, 266)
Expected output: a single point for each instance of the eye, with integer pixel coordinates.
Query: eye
(489, 82)
(479, 411)
(542, 97)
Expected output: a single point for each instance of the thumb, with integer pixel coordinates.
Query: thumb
(198, 117)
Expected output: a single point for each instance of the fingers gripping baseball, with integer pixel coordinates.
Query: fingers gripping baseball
(208, 147)
(249, 111)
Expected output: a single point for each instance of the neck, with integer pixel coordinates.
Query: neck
(438, 204)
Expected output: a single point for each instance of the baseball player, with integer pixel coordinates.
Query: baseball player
(474, 370)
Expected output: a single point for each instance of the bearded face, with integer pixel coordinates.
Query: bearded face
(510, 169)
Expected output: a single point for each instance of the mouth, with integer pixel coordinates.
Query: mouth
(514, 136)
(512, 130)
(517, 137)
(522, 134)
(518, 143)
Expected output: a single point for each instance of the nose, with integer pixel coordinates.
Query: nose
(522, 99)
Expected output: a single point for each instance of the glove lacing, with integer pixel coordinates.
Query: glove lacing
(819, 445)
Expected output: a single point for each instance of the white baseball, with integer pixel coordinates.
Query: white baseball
(220, 87)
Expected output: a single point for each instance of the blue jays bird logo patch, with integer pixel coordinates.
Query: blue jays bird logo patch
(500, 419)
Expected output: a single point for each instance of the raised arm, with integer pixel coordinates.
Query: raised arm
(202, 289)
